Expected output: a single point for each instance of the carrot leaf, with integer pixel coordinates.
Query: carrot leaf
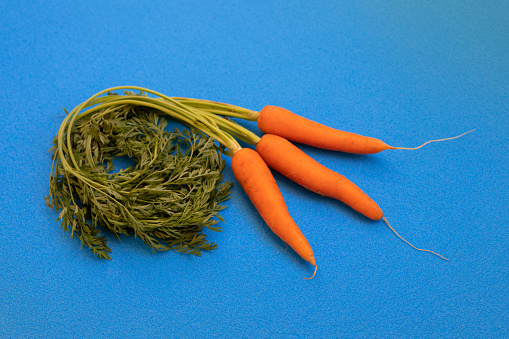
(173, 190)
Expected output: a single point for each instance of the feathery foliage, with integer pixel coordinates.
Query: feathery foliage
(174, 191)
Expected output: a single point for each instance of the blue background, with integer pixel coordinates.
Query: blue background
(401, 71)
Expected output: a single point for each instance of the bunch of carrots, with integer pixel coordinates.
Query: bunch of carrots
(275, 150)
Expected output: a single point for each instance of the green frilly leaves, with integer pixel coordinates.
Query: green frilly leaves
(167, 199)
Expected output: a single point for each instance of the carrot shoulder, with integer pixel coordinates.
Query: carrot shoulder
(260, 186)
(282, 156)
(282, 122)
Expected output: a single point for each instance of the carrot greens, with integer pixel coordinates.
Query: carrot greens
(172, 193)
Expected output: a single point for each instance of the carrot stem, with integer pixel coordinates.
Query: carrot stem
(220, 108)
(419, 249)
(202, 120)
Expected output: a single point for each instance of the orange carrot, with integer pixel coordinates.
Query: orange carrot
(282, 122)
(282, 156)
(260, 186)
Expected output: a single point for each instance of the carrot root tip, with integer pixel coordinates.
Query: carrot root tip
(316, 267)
(428, 142)
(419, 249)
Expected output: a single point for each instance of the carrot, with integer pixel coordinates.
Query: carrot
(282, 122)
(260, 186)
(282, 156)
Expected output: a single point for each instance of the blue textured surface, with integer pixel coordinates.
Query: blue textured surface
(404, 72)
